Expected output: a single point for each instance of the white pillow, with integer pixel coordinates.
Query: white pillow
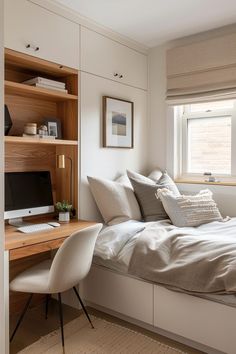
(140, 178)
(189, 210)
(155, 175)
(112, 239)
(117, 203)
(124, 180)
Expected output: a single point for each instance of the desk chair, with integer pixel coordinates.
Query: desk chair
(70, 265)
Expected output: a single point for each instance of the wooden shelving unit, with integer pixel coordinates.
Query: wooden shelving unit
(30, 104)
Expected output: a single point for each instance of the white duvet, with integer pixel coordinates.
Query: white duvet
(115, 244)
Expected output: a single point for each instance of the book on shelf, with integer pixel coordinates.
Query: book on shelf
(50, 87)
(44, 81)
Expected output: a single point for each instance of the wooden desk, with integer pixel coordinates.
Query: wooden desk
(19, 246)
(22, 245)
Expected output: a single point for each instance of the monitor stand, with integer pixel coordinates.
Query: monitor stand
(18, 222)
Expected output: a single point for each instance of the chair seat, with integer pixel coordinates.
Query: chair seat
(33, 280)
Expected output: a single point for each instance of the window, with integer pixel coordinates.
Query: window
(207, 138)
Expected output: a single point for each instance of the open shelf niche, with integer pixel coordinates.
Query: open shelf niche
(29, 104)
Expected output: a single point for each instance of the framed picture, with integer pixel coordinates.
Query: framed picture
(117, 123)
(54, 127)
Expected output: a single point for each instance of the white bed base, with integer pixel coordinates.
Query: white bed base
(200, 323)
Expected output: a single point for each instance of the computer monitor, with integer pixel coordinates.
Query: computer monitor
(27, 194)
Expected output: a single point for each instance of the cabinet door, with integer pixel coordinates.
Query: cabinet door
(50, 36)
(107, 58)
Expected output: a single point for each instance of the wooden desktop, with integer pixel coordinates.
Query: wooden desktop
(22, 245)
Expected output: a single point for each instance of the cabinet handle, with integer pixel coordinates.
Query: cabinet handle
(36, 49)
(120, 76)
(115, 74)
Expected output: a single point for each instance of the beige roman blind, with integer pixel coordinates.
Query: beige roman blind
(202, 71)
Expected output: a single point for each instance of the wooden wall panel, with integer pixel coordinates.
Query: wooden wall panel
(31, 158)
(28, 110)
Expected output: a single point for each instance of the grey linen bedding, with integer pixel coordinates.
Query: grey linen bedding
(194, 260)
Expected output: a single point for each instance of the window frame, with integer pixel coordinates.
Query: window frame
(184, 114)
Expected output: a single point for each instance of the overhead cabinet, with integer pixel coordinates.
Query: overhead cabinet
(107, 58)
(36, 31)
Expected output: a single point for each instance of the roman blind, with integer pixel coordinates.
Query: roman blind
(202, 71)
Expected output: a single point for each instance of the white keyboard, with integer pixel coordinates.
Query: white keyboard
(34, 228)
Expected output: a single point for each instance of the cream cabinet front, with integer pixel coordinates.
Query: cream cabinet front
(107, 58)
(36, 31)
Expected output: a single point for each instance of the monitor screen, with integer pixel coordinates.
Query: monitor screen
(27, 193)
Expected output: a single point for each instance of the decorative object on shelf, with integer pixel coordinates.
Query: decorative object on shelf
(30, 129)
(54, 127)
(117, 123)
(64, 209)
(8, 121)
(61, 163)
(211, 178)
(46, 83)
(43, 130)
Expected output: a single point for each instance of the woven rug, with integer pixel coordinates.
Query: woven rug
(106, 338)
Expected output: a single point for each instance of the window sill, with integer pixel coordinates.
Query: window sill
(221, 183)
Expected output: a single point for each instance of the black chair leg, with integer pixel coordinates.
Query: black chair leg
(83, 307)
(61, 320)
(21, 317)
(46, 305)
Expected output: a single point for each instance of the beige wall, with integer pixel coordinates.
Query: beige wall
(2, 316)
(160, 133)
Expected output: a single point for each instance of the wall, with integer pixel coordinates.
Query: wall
(160, 134)
(107, 162)
(2, 314)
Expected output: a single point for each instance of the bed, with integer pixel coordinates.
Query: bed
(205, 321)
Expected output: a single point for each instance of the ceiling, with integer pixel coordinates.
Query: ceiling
(152, 22)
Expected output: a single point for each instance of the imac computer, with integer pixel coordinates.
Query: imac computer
(27, 194)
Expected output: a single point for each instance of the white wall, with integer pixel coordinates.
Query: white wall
(2, 314)
(160, 132)
(107, 162)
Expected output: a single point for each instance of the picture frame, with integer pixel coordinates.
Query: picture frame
(54, 127)
(118, 124)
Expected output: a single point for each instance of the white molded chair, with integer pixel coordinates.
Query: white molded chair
(70, 265)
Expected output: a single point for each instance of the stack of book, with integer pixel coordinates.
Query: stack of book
(46, 83)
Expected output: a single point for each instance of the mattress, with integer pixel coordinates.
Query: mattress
(115, 245)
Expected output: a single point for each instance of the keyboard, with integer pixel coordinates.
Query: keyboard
(34, 228)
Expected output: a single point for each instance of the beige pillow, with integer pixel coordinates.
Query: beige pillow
(117, 203)
(189, 210)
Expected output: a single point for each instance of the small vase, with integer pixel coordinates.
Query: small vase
(64, 216)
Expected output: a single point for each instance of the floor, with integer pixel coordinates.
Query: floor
(35, 326)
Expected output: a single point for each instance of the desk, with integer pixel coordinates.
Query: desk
(19, 245)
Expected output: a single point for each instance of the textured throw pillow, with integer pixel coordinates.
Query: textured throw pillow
(189, 210)
(116, 202)
(145, 190)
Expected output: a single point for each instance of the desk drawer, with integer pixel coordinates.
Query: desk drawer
(35, 249)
